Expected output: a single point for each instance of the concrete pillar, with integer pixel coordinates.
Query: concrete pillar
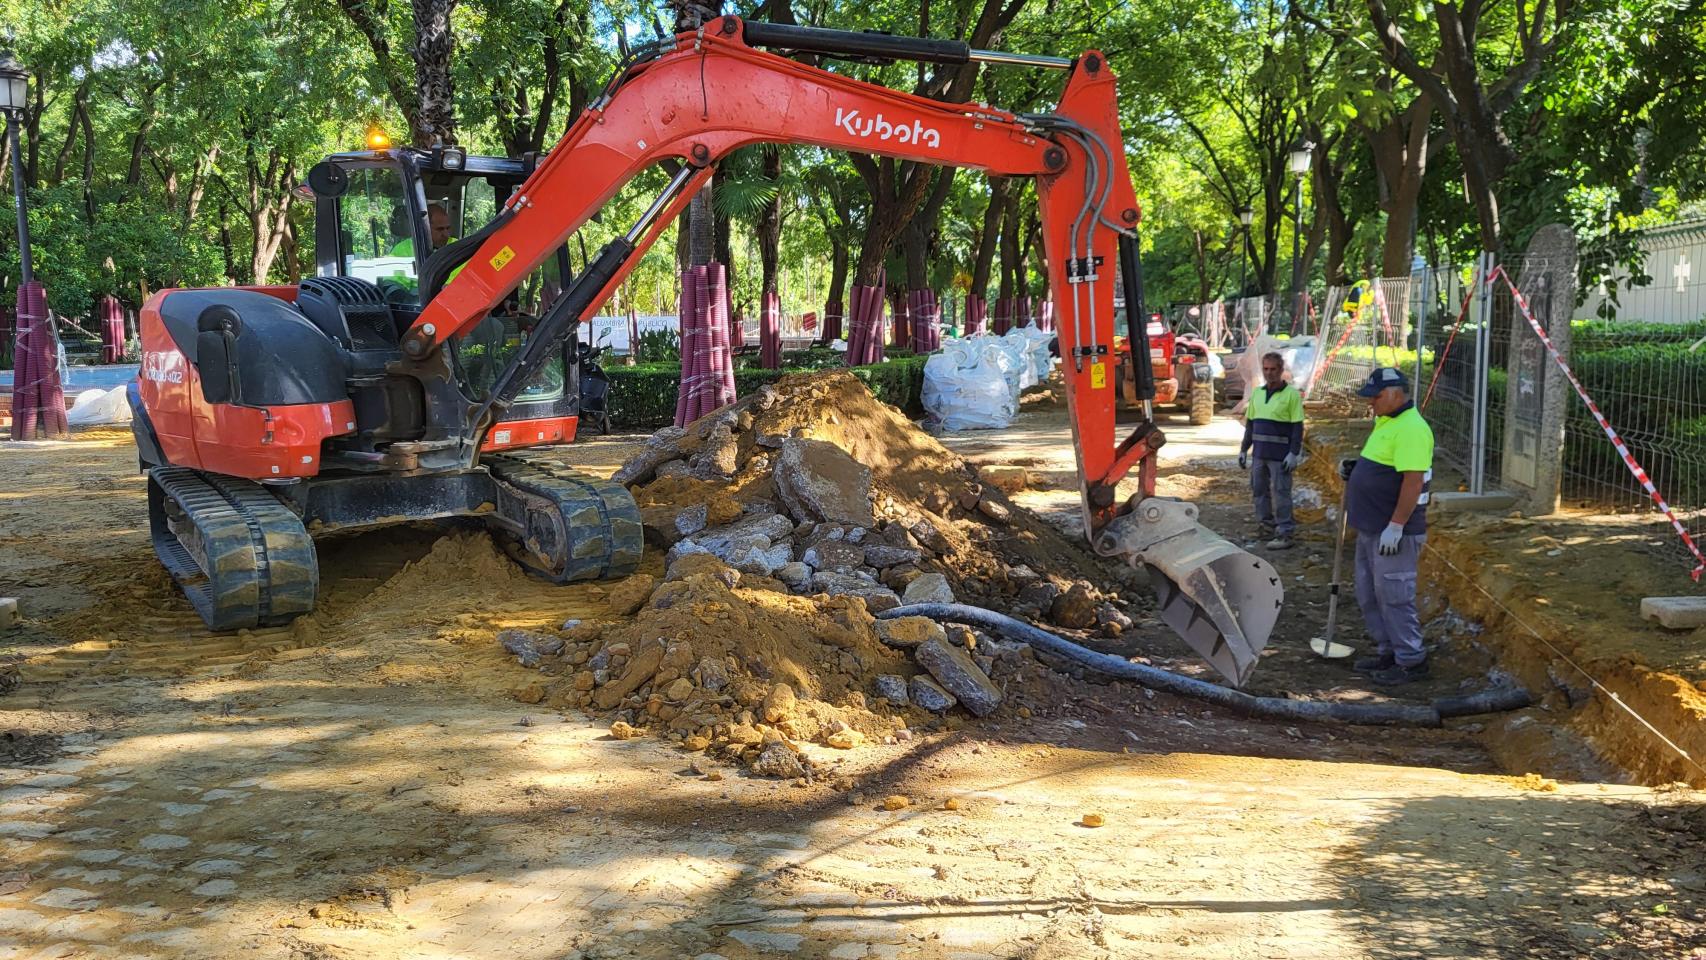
(1537, 395)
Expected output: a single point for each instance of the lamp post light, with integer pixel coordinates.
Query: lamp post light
(1298, 163)
(1245, 215)
(14, 92)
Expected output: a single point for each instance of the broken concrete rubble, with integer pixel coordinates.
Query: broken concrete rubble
(925, 693)
(906, 633)
(817, 480)
(954, 670)
(928, 588)
(892, 687)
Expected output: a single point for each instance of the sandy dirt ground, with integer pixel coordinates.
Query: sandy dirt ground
(364, 784)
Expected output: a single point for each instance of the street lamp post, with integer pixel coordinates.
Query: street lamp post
(1301, 153)
(1245, 215)
(14, 90)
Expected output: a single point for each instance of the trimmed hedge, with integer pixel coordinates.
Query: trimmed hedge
(643, 396)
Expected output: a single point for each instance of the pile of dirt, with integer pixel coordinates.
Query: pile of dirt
(789, 519)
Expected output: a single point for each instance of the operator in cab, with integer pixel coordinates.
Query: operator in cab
(1273, 430)
(1386, 503)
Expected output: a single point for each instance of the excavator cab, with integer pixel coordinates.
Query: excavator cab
(381, 214)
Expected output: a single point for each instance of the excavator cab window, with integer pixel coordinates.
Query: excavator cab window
(376, 231)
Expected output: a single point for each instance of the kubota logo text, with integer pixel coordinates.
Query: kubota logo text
(879, 129)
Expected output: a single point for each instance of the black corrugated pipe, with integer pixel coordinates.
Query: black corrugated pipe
(1272, 708)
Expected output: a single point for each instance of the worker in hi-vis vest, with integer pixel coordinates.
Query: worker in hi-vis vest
(1386, 503)
(1273, 431)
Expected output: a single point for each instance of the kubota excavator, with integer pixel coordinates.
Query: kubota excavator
(392, 386)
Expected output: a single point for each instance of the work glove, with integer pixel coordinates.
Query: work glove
(1290, 462)
(1389, 539)
(1345, 468)
(1243, 459)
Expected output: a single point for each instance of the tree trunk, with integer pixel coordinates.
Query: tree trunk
(1011, 284)
(1400, 150)
(702, 228)
(369, 21)
(986, 241)
(770, 223)
(836, 302)
(73, 128)
(434, 49)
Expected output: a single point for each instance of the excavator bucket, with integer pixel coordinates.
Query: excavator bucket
(1219, 599)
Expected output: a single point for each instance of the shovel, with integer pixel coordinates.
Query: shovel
(1324, 646)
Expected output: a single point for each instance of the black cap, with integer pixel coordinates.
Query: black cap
(1381, 378)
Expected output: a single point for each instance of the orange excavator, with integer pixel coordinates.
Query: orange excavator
(402, 382)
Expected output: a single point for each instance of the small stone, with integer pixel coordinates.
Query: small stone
(928, 588)
(622, 730)
(884, 555)
(678, 690)
(584, 681)
(952, 803)
(630, 594)
(163, 841)
(1075, 609)
(926, 694)
(1092, 820)
(876, 596)
(795, 574)
(836, 556)
(1039, 593)
(845, 739)
(896, 801)
(527, 646)
(993, 510)
(221, 887)
(1112, 620)
(1025, 713)
(532, 693)
(905, 633)
(778, 704)
(1004, 477)
(778, 760)
(638, 671)
(954, 670)
(696, 743)
(711, 674)
(892, 687)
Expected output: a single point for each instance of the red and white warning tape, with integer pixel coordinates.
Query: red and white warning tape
(1593, 408)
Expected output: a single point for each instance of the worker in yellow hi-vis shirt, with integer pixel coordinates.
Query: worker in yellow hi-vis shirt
(1273, 429)
(1386, 502)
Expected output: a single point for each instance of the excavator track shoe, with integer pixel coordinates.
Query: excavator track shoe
(1218, 598)
(571, 526)
(241, 557)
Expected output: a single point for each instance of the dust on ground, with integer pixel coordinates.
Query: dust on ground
(369, 786)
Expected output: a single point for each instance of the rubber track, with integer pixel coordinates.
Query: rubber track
(599, 521)
(251, 562)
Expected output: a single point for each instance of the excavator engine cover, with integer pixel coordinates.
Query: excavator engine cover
(1222, 600)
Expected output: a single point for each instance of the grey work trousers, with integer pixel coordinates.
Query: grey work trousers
(1386, 591)
(1270, 488)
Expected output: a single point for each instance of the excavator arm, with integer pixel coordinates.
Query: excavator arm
(696, 99)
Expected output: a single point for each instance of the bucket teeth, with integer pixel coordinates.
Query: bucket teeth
(576, 527)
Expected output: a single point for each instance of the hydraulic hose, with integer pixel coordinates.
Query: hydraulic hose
(1271, 708)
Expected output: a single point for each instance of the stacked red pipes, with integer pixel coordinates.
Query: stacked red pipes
(865, 323)
(707, 366)
(926, 316)
(977, 315)
(38, 398)
(111, 313)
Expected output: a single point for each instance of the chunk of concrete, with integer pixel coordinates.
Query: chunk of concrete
(1675, 613)
(8, 612)
(1452, 501)
(876, 596)
(928, 588)
(892, 687)
(907, 633)
(836, 556)
(817, 480)
(954, 670)
(662, 447)
(926, 694)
